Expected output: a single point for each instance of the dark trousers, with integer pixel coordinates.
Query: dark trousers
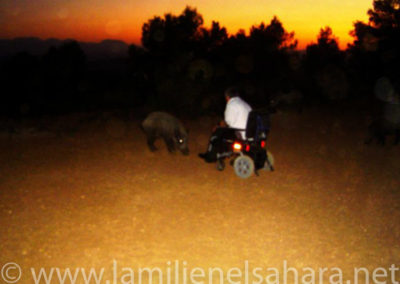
(218, 141)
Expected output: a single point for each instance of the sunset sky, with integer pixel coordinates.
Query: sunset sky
(95, 20)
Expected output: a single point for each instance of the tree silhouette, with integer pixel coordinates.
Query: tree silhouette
(326, 38)
(189, 23)
(325, 51)
(214, 37)
(269, 46)
(385, 14)
(374, 52)
(172, 34)
(273, 36)
(381, 33)
(65, 64)
(20, 82)
(364, 37)
(140, 69)
(63, 69)
(325, 65)
(189, 62)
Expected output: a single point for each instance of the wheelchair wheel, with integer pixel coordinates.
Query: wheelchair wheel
(243, 166)
(220, 165)
(269, 164)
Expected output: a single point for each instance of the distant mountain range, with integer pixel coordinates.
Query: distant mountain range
(105, 49)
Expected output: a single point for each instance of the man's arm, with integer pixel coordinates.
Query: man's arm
(230, 114)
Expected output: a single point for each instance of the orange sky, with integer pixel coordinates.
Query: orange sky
(94, 20)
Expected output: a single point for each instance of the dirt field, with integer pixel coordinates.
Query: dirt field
(97, 194)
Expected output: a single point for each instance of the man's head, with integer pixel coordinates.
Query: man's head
(231, 93)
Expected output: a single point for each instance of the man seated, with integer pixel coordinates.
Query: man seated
(235, 117)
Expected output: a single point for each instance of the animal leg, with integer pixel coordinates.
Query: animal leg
(150, 143)
(170, 144)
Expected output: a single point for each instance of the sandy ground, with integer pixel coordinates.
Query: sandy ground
(85, 198)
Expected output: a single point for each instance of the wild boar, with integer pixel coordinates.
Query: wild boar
(165, 126)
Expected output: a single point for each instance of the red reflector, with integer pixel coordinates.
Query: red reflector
(237, 146)
(262, 144)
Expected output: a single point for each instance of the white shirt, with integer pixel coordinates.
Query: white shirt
(236, 114)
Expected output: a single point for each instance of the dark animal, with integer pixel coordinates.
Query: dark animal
(380, 128)
(165, 126)
(287, 100)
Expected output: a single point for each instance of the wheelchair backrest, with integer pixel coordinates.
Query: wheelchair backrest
(258, 125)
